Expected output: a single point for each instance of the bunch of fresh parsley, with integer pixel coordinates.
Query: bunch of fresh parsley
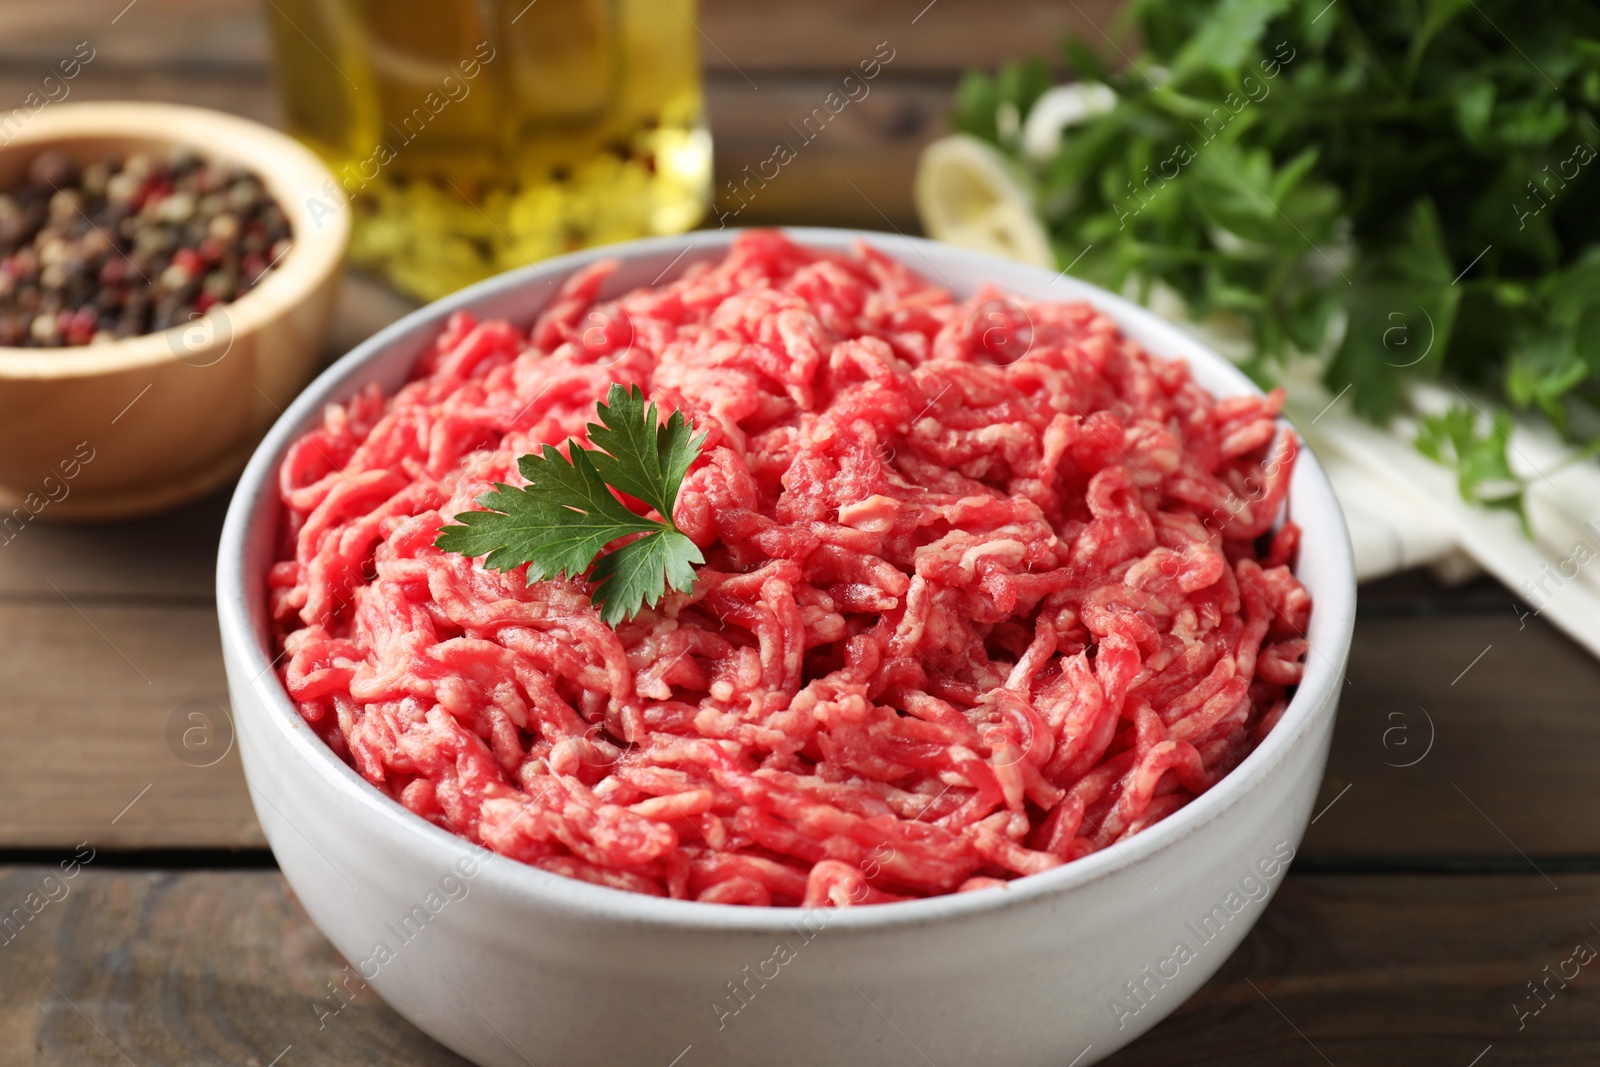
(1407, 184)
(561, 522)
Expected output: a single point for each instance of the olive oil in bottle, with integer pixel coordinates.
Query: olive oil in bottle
(473, 136)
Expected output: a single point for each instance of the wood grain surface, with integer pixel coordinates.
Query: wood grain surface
(209, 967)
(1513, 735)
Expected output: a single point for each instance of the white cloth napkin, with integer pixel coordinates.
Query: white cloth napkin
(1404, 510)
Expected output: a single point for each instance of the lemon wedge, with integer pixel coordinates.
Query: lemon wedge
(968, 194)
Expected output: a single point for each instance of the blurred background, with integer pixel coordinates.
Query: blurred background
(765, 67)
(765, 71)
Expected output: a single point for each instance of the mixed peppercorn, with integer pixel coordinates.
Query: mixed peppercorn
(130, 246)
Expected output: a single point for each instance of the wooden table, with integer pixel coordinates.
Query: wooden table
(1454, 857)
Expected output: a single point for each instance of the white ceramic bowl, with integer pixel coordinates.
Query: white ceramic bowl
(510, 965)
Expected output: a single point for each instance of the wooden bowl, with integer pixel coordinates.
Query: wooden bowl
(123, 428)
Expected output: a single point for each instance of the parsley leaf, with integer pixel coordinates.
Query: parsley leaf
(567, 513)
(1394, 189)
(1484, 476)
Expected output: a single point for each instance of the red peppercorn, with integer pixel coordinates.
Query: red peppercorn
(80, 326)
(153, 192)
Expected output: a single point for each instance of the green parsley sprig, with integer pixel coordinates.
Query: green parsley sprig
(1401, 186)
(1455, 438)
(562, 520)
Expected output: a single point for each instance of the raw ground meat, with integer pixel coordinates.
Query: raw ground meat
(987, 588)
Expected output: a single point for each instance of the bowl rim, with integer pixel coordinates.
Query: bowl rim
(1315, 699)
(291, 173)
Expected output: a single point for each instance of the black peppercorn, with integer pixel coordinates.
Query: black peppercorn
(120, 247)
